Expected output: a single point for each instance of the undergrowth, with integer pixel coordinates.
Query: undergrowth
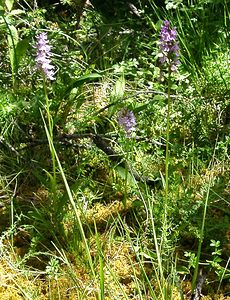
(93, 208)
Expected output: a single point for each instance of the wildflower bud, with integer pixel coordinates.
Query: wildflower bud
(169, 48)
(127, 120)
(43, 61)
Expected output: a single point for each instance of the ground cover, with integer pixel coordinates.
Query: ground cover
(114, 148)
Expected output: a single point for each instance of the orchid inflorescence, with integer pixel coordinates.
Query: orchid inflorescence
(127, 120)
(169, 48)
(43, 61)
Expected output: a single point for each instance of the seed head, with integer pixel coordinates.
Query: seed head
(43, 61)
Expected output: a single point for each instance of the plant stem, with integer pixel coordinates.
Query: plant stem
(50, 128)
(167, 138)
(167, 156)
(194, 279)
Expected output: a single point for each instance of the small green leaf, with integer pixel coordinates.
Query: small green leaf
(137, 203)
(182, 270)
(150, 255)
(9, 4)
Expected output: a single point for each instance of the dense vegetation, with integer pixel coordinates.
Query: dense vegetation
(114, 170)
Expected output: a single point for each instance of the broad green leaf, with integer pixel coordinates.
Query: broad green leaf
(80, 101)
(124, 173)
(79, 82)
(12, 36)
(16, 12)
(9, 4)
(140, 107)
(2, 10)
(88, 77)
(119, 89)
(12, 43)
(72, 94)
(21, 48)
(117, 94)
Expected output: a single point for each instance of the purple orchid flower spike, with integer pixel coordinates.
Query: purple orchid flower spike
(43, 61)
(127, 120)
(169, 48)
